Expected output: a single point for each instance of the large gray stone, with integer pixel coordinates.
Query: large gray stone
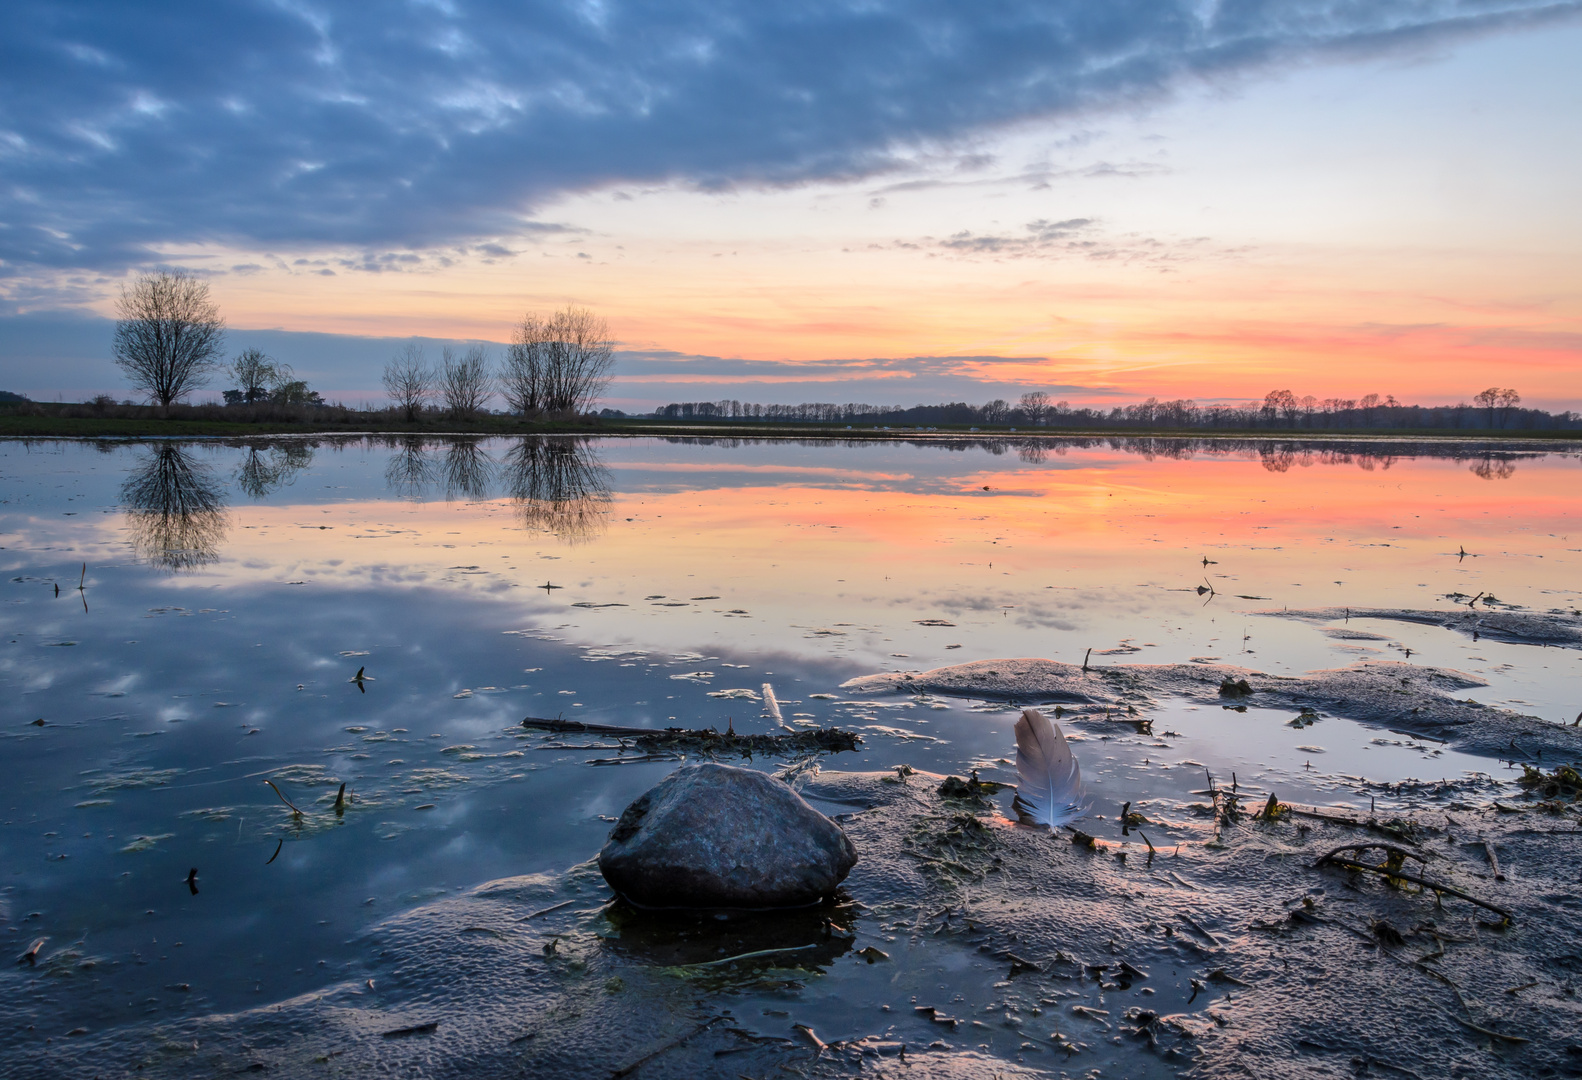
(717, 836)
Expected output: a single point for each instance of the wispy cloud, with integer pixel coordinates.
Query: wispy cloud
(129, 127)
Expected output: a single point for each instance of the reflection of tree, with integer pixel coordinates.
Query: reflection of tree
(1277, 459)
(559, 486)
(267, 468)
(468, 470)
(175, 510)
(410, 469)
(1492, 468)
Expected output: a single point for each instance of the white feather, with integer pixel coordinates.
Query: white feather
(1050, 788)
(772, 705)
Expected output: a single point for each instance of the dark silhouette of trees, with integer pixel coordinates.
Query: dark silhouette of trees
(559, 486)
(469, 470)
(409, 381)
(254, 373)
(557, 364)
(409, 470)
(464, 381)
(175, 510)
(1035, 406)
(266, 468)
(1280, 409)
(168, 335)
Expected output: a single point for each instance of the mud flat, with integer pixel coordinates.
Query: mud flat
(1512, 625)
(1398, 696)
(1215, 942)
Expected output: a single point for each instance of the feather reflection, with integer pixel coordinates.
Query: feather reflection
(175, 510)
(559, 486)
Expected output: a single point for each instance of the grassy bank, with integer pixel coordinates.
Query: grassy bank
(66, 420)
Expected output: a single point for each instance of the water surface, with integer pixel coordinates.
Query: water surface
(186, 619)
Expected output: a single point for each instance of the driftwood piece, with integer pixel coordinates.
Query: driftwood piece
(707, 740)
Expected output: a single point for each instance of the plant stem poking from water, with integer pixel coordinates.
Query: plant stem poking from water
(340, 800)
(1085, 658)
(276, 855)
(192, 880)
(283, 798)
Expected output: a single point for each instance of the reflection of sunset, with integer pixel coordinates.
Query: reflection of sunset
(1106, 540)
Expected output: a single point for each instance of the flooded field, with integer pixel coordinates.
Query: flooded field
(411, 888)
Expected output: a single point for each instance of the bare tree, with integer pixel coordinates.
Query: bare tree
(558, 364)
(580, 360)
(1276, 402)
(526, 360)
(464, 381)
(169, 335)
(1496, 398)
(1507, 401)
(997, 411)
(1488, 399)
(409, 380)
(255, 373)
(1036, 407)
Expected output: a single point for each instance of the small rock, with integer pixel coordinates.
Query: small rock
(717, 836)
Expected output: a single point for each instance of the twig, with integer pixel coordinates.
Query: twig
(632, 760)
(546, 911)
(671, 1045)
(829, 739)
(1490, 1033)
(1401, 875)
(751, 956)
(1494, 861)
(1184, 917)
(1359, 848)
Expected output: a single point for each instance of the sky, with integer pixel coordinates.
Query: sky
(885, 202)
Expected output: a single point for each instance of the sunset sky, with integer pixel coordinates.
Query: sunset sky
(883, 202)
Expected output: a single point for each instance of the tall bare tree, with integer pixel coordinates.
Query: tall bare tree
(409, 380)
(168, 335)
(1276, 402)
(464, 381)
(526, 360)
(1036, 407)
(558, 364)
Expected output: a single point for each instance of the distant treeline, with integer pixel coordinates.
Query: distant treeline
(1493, 409)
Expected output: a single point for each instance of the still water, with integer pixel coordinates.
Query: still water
(186, 620)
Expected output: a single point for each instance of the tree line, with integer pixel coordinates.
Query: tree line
(555, 364)
(170, 341)
(1494, 409)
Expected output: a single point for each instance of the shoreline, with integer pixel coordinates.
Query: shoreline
(56, 427)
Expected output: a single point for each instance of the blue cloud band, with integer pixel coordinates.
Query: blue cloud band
(297, 124)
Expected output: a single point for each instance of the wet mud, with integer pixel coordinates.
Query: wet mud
(1407, 698)
(1511, 625)
(1204, 940)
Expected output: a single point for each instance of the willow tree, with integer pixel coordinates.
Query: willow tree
(169, 335)
(558, 364)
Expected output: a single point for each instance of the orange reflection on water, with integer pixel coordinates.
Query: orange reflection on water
(699, 548)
